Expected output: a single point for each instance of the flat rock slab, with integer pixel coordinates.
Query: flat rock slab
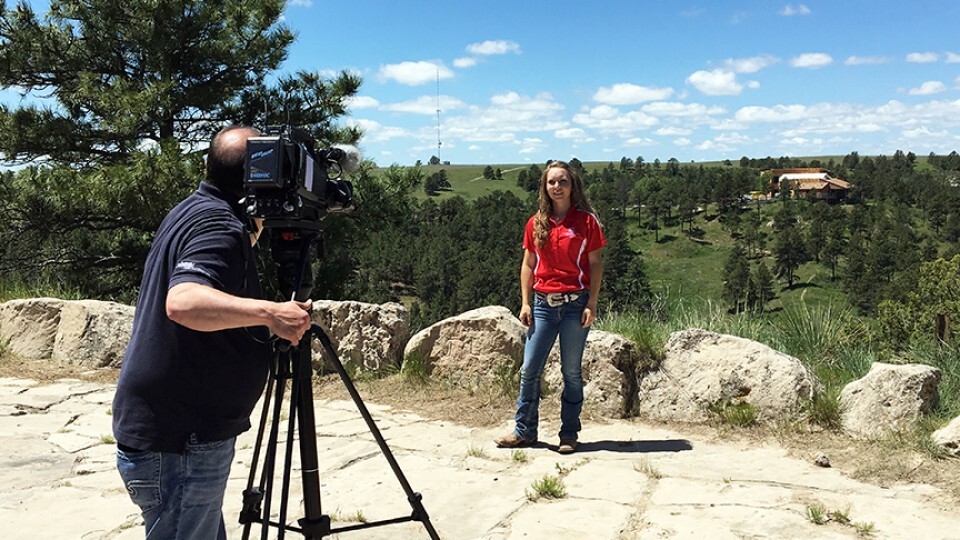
(628, 480)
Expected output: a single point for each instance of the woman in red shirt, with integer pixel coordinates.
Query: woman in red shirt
(560, 275)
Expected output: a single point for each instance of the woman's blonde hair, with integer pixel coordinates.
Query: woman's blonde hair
(578, 199)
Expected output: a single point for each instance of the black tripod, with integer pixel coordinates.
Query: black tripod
(290, 249)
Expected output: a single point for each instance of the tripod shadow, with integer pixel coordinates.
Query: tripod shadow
(638, 447)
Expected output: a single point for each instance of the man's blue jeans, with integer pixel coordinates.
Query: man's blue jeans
(180, 495)
(548, 323)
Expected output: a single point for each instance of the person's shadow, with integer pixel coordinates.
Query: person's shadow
(639, 447)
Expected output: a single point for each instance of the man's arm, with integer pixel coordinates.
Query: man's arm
(205, 309)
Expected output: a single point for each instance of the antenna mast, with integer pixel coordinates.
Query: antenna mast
(438, 112)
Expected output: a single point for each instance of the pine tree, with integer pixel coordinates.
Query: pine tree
(128, 87)
(761, 287)
(736, 278)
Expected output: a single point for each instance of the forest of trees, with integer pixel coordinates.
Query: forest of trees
(119, 139)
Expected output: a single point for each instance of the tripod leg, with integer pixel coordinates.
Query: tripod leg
(415, 499)
(314, 523)
(253, 497)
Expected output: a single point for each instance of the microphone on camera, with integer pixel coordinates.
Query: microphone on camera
(347, 156)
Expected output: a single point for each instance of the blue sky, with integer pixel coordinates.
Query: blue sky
(528, 81)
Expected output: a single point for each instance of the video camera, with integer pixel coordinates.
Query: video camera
(286, 180)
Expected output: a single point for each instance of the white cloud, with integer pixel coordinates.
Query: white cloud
(629, 94)
(489, 47)
(362, 102)
(673, 131)
(609, 120)
(928, 89)
(753, 85)
(639, 141)
(866, 60)
(682, 141)
(673, 108)
(789, 11)
(812, 60)
(570, 133)
(374, 131)
(464, 62)
(778, 113)
(474, 147)
(425, 105)
(752, 64)
(301, 3)
(923, 57)
(924, 132)
(415, 73)
(507, 115)
(952, 58)
(718, 82)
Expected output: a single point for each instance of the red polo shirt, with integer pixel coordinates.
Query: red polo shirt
(562, 263)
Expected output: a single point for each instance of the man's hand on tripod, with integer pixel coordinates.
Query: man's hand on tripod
(290, 320)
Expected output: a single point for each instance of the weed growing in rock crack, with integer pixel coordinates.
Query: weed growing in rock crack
(863, 529)
(739, 414)
(548, 487)
(647, 469)
(107, 439)
(415, 368)
(816, 513)
(519, 456)
(477, 452)
(506, 378)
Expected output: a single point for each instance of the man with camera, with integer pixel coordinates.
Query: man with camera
(198, 357)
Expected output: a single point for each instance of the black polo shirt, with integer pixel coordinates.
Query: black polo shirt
(176, 382)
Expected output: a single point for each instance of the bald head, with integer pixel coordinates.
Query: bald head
(225, 158)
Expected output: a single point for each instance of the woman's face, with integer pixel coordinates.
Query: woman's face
(559, 186)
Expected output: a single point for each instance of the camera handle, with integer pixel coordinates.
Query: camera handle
(295, 364)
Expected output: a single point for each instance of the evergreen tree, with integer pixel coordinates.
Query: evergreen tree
(130, 86)
(736, 278)
(789, 253)
(761, 287)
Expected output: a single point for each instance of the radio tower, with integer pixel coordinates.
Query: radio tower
(438, 113)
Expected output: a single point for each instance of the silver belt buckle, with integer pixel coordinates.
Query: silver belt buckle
(555, 299)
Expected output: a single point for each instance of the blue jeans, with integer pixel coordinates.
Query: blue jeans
(180, 495)
(548, 323)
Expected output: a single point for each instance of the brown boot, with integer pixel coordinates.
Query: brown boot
(567, 446)
(513, 441)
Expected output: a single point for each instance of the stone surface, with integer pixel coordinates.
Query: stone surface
(471, 348)
(28, 327)
(701, 369)
(889, 398)
(948, 437)
(628, 480)
(93, 333)
(366, 336)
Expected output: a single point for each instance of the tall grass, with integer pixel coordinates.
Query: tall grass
(13, 288)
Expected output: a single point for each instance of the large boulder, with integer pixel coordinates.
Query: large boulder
(28, 326)
(889, 398)
(367, 336)
(472, 347)
(702, 369)
(93, 333)
(948, 437)
(609, 371)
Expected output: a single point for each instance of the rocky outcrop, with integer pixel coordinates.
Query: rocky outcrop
(93, 333)
(28, 327)
(889, 398)
(948, 437)
(471, 348)
(370, 337)
(702, 369)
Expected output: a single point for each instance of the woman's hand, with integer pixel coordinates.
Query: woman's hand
(526, 315)
(588, 316)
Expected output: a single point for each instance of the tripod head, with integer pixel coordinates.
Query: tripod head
(290, 248)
